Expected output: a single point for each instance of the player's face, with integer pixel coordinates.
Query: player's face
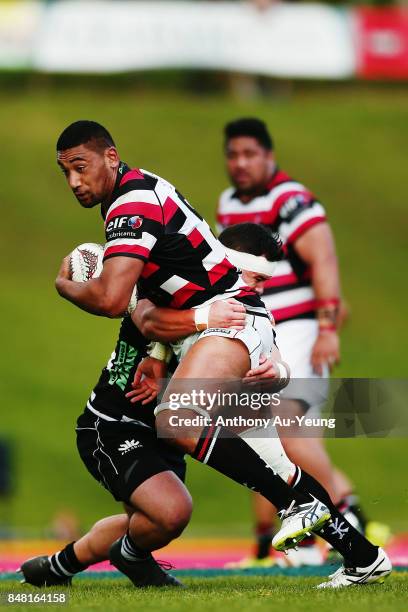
(90, 172)
(254, 280)
(249, 164)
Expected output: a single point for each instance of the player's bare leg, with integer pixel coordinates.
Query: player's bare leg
(150, 522)
(148, 525)
(159, 509)
(94, 546)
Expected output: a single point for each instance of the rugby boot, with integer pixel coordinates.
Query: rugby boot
(143, 573)
(37, 571)
(378, 571)
(298, 522)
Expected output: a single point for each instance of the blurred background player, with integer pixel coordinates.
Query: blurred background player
(303, 296)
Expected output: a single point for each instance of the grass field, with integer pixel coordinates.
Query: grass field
(234, 594)
(348, 145)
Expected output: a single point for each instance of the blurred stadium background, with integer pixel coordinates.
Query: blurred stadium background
(330, 81)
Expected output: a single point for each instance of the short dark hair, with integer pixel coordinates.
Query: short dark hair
(83, 131)
(253, 238)
(249, 126)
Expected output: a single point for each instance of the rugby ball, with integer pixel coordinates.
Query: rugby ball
(86, 262)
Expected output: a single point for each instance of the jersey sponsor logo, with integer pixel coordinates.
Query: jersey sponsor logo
(129, 445)
(293, 206)
(121, 365)
(135, 222)
(124, 222)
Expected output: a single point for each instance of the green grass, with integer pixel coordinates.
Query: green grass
(235, 594)
(349, 146)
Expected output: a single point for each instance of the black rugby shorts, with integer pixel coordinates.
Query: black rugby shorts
(122, 455)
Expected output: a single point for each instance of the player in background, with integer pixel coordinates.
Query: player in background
(155, 237)
(304, 298)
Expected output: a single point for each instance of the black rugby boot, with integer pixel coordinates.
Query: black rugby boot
(144, 572)
(37, 571)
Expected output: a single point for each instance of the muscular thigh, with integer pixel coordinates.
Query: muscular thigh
(161, 492)
(214, 357)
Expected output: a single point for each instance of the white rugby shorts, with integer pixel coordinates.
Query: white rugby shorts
(257, 336)
(295, 340)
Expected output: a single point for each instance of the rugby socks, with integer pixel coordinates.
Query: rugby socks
(351, 508)
(65, 563)
(343, 537)
(130, 552)
(227, 453)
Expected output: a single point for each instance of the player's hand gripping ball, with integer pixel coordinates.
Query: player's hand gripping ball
(86, 262)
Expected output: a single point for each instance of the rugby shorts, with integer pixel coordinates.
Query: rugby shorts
(295, 340)
(121, 455)
(258, 336)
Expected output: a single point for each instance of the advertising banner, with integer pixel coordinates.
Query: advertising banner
(381, 40)
(292, 41)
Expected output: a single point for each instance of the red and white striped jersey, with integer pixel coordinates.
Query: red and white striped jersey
(289, 209)
(185, 264)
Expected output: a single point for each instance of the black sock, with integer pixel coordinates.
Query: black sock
(351, 503)
(234, 458)
(131, 552)
(350, 543)
(65, 563)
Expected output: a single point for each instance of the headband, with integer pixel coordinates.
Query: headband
(251, 263)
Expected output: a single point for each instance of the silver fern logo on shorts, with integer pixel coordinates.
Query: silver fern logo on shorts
(129, 445)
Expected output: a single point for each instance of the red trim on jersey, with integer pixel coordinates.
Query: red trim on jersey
(286, 279)
(150, 211)
(267, 217)
(219, 270)
(195, 237)
(302, 228)
(183, 294)
(149, 269)
(245, 292)
(205, 443)
(127, 249)
(169, 210)
(131, 175)
(292, 311)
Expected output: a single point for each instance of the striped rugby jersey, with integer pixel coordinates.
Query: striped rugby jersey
(185, 264)
(289, 209)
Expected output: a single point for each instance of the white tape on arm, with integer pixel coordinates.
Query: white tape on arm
(201, 317)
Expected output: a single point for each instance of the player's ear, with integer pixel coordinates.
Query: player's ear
(112, 157)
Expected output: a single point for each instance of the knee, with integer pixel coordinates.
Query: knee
(176, 517)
